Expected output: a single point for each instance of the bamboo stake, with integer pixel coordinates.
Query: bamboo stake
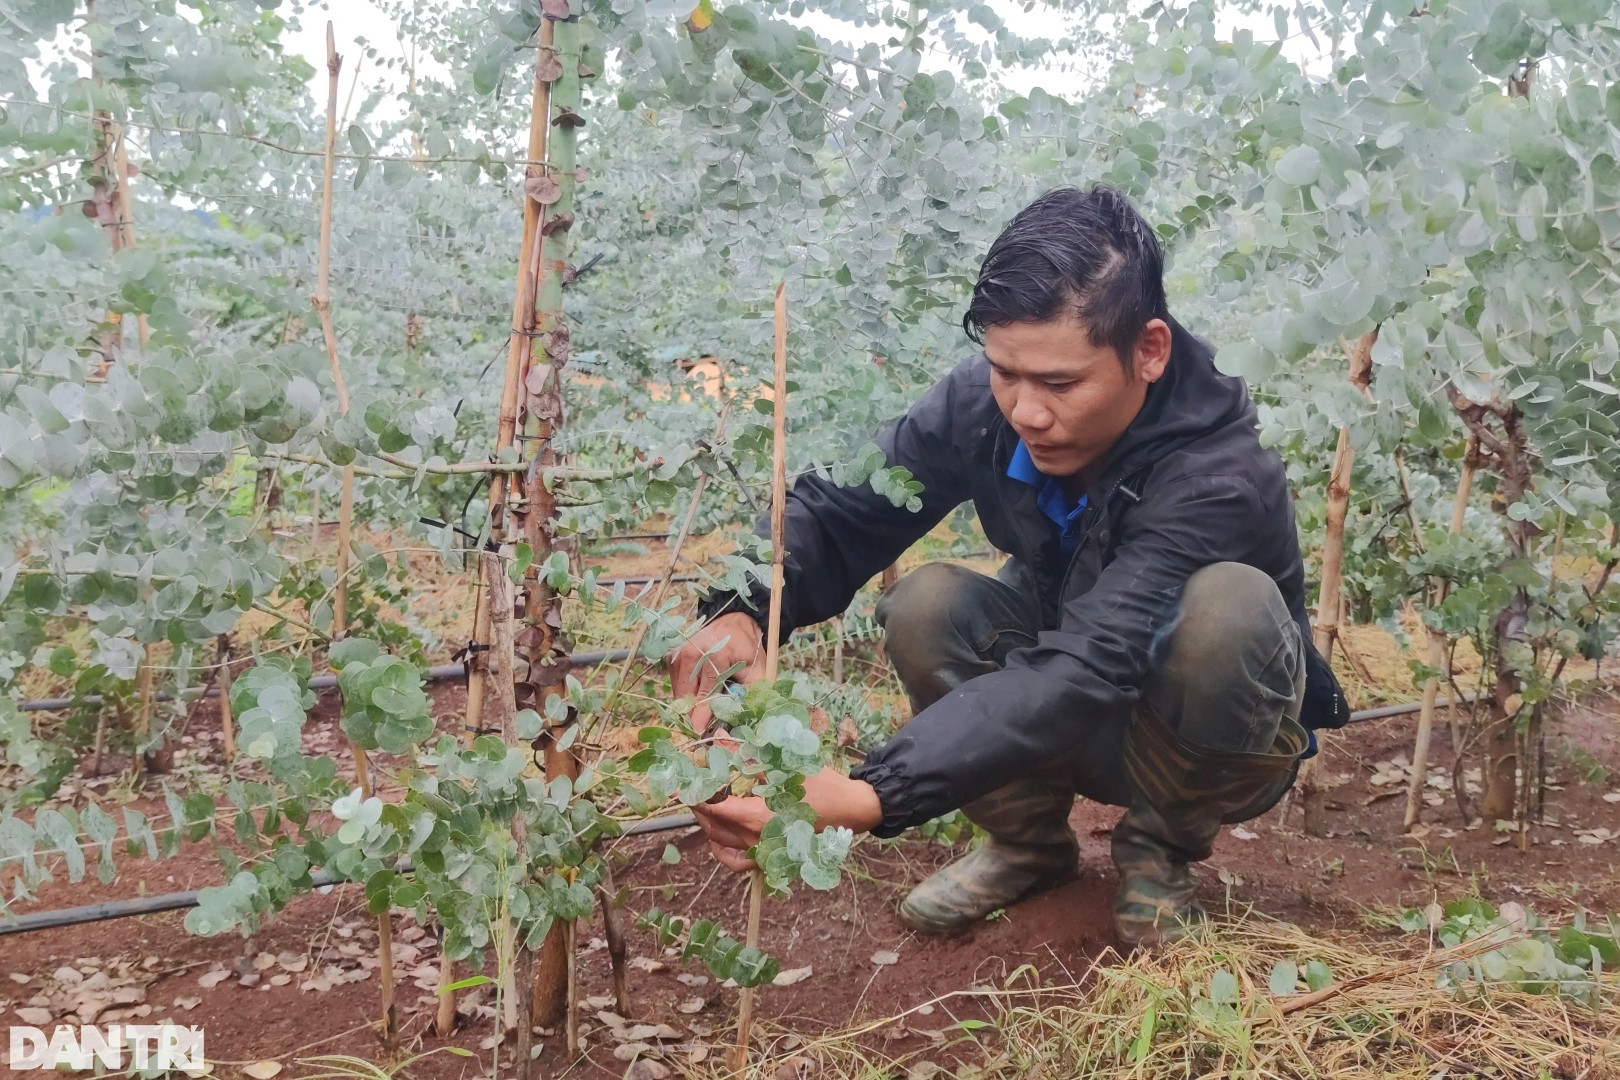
(100, 742)
(227, 722)
(517, 355)
(773, 635)
(322, 301)
(143, 718)
(1313, 773)
(126, 218)
(123, 238)
(1437, 657)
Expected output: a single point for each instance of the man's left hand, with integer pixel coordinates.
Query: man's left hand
(733, 825)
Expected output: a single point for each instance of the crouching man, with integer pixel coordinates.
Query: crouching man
(1146, 643)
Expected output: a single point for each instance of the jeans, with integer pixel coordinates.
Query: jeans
(1226, 678)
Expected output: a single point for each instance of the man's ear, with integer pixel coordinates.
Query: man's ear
(1153, 350)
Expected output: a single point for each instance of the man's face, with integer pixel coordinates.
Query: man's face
(1069, 400)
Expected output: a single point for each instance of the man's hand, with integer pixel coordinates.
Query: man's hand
(733, 826)
(694, 674)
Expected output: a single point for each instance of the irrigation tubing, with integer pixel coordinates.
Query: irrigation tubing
(176, 901)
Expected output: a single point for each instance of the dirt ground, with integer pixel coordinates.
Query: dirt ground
(306, 984)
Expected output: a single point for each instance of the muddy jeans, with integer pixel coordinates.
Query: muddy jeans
(1225, 686)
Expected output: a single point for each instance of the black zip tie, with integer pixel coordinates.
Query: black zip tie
(748, 495)
(590, 264)
(437, 524)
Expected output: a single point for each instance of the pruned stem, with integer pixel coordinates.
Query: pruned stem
(1437, 656)
(773, 635)
(1313, 773)
(613, 931)
(322, 301)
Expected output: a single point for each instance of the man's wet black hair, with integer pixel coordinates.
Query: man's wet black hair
(1081, 254)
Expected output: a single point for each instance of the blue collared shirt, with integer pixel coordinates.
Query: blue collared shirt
(1050, 497)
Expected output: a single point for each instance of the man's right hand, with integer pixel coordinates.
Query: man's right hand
(696, 665)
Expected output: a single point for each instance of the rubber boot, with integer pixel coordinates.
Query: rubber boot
(1157, 900)
(1181, 795)
(1030, 849)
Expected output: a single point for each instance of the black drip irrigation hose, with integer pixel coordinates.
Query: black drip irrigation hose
(147, 905)
(176, 901)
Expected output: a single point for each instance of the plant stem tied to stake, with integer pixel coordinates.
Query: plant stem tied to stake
(773, 633)
(518, 345)
(545, 351)
(322, 300)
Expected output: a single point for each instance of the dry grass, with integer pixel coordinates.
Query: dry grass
(1148, 1016)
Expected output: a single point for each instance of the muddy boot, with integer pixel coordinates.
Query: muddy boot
(1030, 849)
(1182, 794)
(1157, 900)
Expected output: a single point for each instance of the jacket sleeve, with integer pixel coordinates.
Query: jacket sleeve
(1041, 705)
(839, 537)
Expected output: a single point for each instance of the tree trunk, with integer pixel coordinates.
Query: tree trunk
(1499, 429)
(1312, 782)
(1501, 740)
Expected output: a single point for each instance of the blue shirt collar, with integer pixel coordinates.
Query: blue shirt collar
(1022, 467)
(1054, 502)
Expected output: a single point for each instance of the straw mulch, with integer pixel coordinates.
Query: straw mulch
(1149, 1016)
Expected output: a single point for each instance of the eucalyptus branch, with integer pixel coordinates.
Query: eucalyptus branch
(557, 473)
(26, 374)
(164, 579)
(298, 151)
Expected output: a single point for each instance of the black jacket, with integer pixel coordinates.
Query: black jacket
(1186, 485)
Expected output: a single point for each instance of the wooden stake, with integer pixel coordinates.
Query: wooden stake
(773, 636)
(122, 237)
(1436, 658)
(143, 718)
(126, 218)
(227, 722)
(1312, 774)
(322, 301)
